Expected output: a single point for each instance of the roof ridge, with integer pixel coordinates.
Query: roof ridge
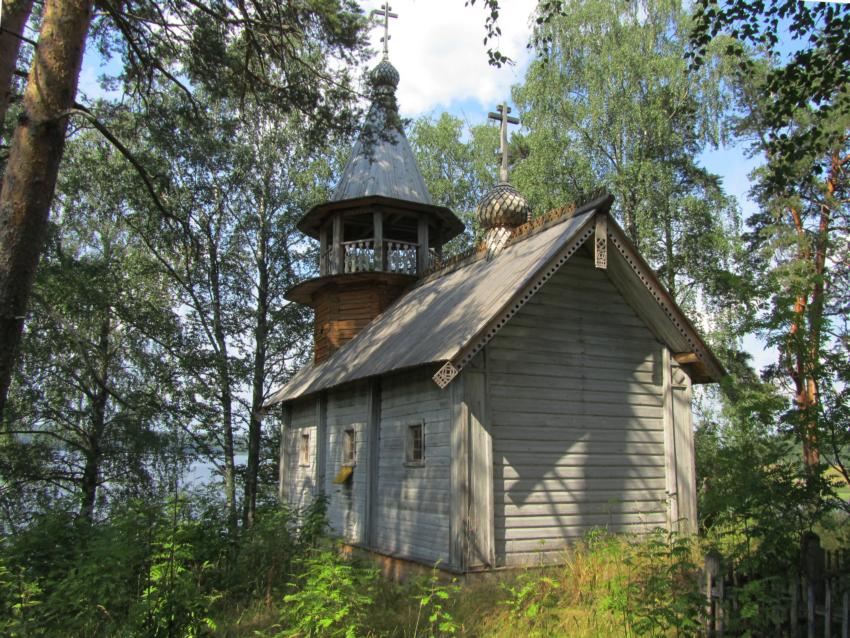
(548, 219)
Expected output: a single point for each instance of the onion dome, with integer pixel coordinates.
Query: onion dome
(384, 77)
(503, 206)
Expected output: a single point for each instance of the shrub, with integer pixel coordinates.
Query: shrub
(330, 599)
(433, 617)
(173, 601)
(658, 592)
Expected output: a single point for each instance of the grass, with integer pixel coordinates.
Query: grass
(843, 489)
(587, 595)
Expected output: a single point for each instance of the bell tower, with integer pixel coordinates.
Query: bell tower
(378, 233)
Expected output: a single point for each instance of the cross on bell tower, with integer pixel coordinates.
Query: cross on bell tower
(385, 12)
(502, 116)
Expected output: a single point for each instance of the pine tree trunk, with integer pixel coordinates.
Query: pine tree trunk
(798, 344)
(14, 16)
(805, 336)
(811, 444)
(33, 165)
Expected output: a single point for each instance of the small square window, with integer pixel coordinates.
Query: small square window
(415, 444)
(304, 457)
(350, 447)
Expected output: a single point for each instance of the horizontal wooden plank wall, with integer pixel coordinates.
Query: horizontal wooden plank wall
(301, 487)
(575, 389)
(343, 311)
(412, 508)
(347, 409)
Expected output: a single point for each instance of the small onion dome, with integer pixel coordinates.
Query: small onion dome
(384, 77)
(503, 206)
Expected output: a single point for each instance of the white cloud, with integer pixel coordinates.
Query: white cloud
(436, 45)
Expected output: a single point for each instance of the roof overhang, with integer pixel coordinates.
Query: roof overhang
(303, 293)
(312, 221)
(634, 278)
(638, 284)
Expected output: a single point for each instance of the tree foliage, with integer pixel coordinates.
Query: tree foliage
(808, 74)
(609, 99)
(795, 115)
(292, 56)
(458, 165)
(86, 413)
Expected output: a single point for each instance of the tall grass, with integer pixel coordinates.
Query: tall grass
(604, 586)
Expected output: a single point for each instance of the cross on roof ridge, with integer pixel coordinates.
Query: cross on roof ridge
(502, 116)
(384, 11)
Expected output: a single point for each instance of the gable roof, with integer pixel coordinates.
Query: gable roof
(450, 315)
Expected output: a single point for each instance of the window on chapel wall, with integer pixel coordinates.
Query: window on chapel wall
(349, 450)
(415, 444)
(304, 450)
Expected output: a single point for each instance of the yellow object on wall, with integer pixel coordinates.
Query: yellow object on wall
(344, 474)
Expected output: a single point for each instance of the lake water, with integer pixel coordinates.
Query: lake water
(203, 472)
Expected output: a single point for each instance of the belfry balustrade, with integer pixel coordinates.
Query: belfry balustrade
(362, 255)
(381, 241)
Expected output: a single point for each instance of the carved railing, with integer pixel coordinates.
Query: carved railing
(361, 256)
(401, 256)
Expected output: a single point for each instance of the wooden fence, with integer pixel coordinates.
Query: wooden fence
(811, 603)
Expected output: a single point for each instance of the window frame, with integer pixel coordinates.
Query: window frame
(410, 457)
(304, 450)
(349, 447)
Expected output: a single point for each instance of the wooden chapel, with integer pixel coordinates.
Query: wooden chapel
(489, 409)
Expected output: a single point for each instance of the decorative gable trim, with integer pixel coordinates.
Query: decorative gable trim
(600, 248)
(445, 374)
(671, 309)
(451, 368)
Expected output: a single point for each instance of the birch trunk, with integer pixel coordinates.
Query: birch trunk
(261, 331)
(30, 175)
(225, 381)
(93, 453)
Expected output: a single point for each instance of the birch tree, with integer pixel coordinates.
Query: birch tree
(609, 101)
(87, 413)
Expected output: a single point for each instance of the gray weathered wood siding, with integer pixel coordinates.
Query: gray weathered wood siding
(575, 391)
(301, 486)
(347, 409)
(412, 509)
(683, 434)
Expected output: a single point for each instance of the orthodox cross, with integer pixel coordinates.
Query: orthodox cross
(385, 12)
(502, 116)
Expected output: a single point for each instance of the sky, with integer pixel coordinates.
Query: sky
(437, 47)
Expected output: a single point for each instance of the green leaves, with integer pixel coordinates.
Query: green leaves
(609, 101)
(331, 598)
(435, 598)
(657, 592)
(806, 72)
